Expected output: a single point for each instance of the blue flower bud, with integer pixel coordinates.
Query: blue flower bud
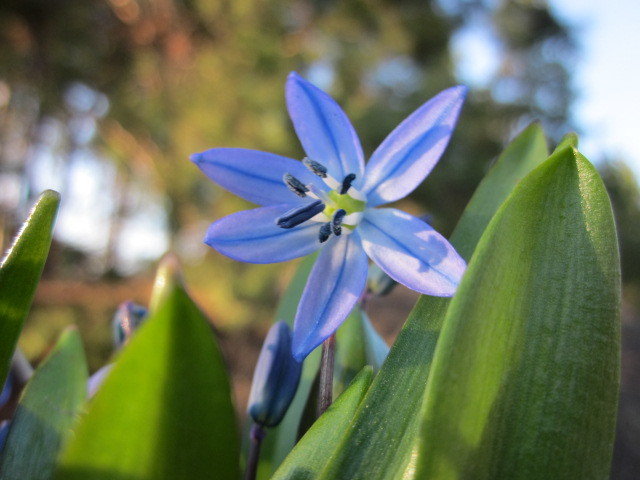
(275, 379)
(127, 319)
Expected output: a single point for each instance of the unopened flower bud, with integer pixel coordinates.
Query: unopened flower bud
(275, 379)
(127, 319)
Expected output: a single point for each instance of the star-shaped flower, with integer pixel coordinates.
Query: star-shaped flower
(327, 201)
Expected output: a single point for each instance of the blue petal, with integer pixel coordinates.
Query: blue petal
(336, 282)
(324, 129)
(253, 236)
(411, 252)
(253, 175)
(410, 152)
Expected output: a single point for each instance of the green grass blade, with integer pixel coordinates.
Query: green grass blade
(382, 441)
(164, 411)
(46, 412)
(20, 272)
(309, 455)
(524, 382)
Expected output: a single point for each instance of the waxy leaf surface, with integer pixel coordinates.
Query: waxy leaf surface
(308, 456)
(20, 272)
(164, 411)
(524, 382)
(46, 411)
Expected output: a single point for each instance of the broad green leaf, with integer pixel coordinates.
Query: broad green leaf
(382, 441)
(168, 277)
(308, 456)
(164, 411)
(569, 140)
(46, 412)
(524, 381)
(20, 272)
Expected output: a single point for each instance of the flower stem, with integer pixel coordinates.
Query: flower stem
(255, 439)
(325, 396)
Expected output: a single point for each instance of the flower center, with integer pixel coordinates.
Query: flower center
(338, 208)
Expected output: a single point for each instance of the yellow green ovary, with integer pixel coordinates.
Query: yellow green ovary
(345, 202)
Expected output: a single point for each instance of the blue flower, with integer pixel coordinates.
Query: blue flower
(328, 201)
(275, 379)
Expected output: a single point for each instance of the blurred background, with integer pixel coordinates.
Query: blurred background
(104, 101)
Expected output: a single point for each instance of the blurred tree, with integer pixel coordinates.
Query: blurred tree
(140, 84)
(185, 75)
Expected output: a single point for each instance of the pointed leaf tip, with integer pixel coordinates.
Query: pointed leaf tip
(168, 277)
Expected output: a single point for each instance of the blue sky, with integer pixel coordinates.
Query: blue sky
(607, 76)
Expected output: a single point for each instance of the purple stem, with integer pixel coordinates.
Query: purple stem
(255, 439)
(325, 396)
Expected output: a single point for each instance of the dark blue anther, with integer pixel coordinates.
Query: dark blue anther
(325, 232)
(317, 168)
(298, 215)
(295, 185)
(346, 183)
(336, 221)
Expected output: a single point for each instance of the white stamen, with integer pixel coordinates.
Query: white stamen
(352, 219)
(357, 194)
(320, 218)
(332, 183)
(315, 192)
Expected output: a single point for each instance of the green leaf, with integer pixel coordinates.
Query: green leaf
(46, 412)
(308, 456)
(569, 140)
(524, 382)
(357, 345)
(164, 411)
(20, 272)
(381, 443)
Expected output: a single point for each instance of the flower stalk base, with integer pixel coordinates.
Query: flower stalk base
(325, 396)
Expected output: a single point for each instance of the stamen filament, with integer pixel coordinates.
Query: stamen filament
(298, 215)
